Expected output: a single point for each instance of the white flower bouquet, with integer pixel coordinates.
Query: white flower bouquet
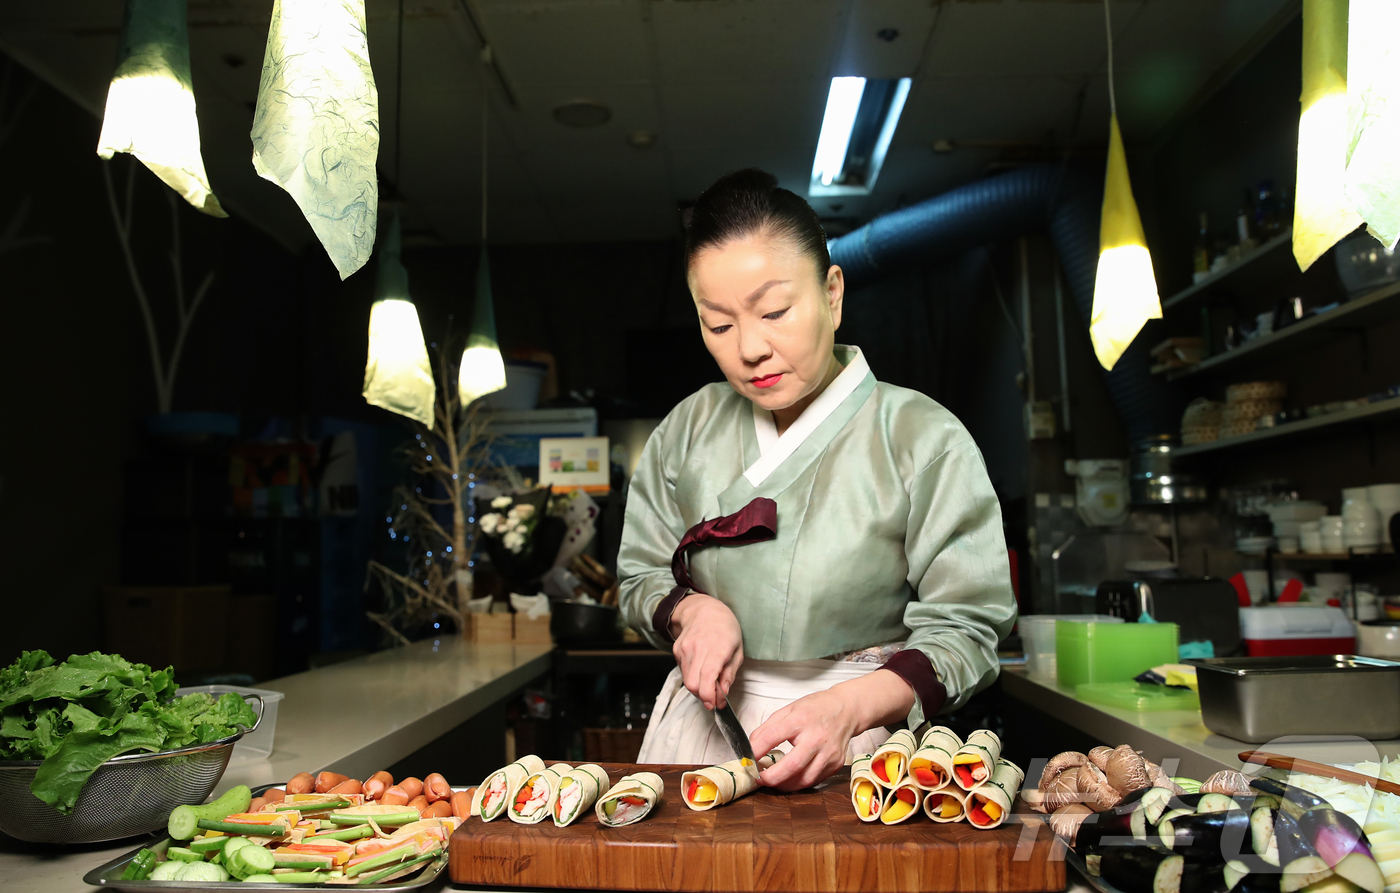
(520, 535)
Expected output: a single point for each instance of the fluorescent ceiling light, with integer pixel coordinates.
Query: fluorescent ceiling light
(861, 115)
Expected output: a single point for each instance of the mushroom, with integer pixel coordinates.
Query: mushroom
(1066, 820)
(1160, 779)
(1226, 781)
(1094, 789)
(1099, 756)
(1059, 763)
(1034, 798)
(1126, 770)
(1063, 790)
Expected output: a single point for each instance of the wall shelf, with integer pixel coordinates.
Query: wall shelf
(1379, 305)
(1267, 261)
(1372, 412)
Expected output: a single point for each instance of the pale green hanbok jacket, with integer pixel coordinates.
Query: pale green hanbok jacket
(888, 528)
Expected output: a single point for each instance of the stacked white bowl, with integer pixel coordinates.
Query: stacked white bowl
(1361, 526)
(1288, 519)
(1386, 499)
(1310, 536)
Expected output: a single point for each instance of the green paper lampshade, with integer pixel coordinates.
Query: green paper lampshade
(398, 376)
(482, 371)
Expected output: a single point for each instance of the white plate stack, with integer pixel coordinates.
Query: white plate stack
(1331, 532)
(1361, 527)
(1386, 499)
(1289, 518)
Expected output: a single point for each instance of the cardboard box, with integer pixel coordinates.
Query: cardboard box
(534, 632)
(490, 627)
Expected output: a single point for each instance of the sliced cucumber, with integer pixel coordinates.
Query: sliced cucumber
(181, 854)
(209, 844)
(166, 871)
(254, 860)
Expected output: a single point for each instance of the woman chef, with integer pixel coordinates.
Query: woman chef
(819, 548)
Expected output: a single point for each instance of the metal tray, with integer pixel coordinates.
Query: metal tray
(1257, 699)
(109, 875)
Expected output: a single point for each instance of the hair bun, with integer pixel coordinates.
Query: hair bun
(748, 180)
(748, 201)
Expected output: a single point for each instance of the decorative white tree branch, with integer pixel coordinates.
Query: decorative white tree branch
(163, 371)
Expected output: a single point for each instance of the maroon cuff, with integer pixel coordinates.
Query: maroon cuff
(661, 617)
(914, 667)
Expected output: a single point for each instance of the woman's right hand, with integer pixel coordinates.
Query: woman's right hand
(709, 646)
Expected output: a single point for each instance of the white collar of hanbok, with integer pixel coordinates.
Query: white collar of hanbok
(774, 449)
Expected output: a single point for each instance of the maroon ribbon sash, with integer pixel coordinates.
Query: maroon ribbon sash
(754, 523)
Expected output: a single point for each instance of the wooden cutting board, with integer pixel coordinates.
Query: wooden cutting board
(806, 842)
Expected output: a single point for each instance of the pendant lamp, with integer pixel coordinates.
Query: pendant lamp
(398, 376)
(482, 371)
(150, 109)
(1322, 213)
(316, 126)
(1125, 289)
(1373, 115)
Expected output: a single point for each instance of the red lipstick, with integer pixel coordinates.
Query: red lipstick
(766, 381)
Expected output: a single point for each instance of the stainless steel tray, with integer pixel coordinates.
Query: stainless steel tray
(109, 875)
(1257, 699)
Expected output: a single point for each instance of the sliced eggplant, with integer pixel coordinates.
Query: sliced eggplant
(1143, 869)
(1203, 876)
(1301, 864)
(1333, 884)
(1261, 835)
(1216, 836)
(1175, 814)
(1341, 843)
(1124, 825)
(1217, 803)
(1292, 799)
(1303, 872)
(1091, 864)
(1156, 801)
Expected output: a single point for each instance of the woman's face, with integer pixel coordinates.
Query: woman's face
(768, 318)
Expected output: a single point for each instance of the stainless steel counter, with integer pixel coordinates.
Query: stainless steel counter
(1176, 734)
(355, 717)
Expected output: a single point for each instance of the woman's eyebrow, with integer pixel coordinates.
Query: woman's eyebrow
(750, 300)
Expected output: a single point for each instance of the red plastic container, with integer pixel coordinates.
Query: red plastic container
(1297, 630)
(1296, 647)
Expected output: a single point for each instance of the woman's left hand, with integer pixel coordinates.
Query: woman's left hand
(821, 725)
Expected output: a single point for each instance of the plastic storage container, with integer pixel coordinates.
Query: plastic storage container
(256, 745)
(1038, 638)
(1290, 631)
(1111, 652)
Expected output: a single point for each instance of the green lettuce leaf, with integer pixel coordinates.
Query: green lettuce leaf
(60, 779)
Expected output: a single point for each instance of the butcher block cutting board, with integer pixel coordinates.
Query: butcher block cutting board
(806, 842)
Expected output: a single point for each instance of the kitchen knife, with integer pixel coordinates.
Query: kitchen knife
(733, 732)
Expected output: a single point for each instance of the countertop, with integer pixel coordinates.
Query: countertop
(1167, 735)
(356, 717)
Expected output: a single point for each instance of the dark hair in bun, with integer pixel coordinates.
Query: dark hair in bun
(748, 202)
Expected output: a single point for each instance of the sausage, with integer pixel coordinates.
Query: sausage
(395, 796)
(257, 804)
(439, 810)
(302, 783)
(412, 786)
(419, 803)
(327, 780)
(436, 788)
(348, 786)
(274, 795)
(462, 803)
(377, 784)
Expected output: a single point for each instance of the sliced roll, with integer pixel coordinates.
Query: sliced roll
(576, 792)
(988, 804)
(945, 804)
(530, 800)
(704, 789)
(931, 766)
(630, 800)
(890, 762)
(495, 794)
(975, 761)
(901, 804)
(867, 794)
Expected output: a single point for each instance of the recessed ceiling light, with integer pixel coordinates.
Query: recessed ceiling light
(641, 139)
(861, 115)
(582, 113)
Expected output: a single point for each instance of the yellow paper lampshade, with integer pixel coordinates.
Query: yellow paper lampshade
(398, 376)
(482, 371)
(1125, 289)
(150, 109)
(1373, 115)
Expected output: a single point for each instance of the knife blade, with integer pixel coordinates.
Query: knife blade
(733, 732)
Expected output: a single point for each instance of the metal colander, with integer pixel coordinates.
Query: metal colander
(127, 795)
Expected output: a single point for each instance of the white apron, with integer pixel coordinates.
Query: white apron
(683, 731)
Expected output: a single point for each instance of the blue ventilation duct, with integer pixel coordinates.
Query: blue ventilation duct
(1032, 199)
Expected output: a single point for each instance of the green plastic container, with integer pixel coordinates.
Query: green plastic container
(1137, 696)
(1111, 652)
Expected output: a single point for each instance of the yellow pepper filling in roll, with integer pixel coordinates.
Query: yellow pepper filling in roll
(865, 793)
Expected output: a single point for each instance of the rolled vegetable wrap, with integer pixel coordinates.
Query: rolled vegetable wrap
(945, 805)
(976, 759)
(890, 762)
(705, 789)
(530, 801)
(988, 803)
(867, 794)
(576, 792)
(931, 766)
(495, 793)
(630, 800)
(901, 804)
